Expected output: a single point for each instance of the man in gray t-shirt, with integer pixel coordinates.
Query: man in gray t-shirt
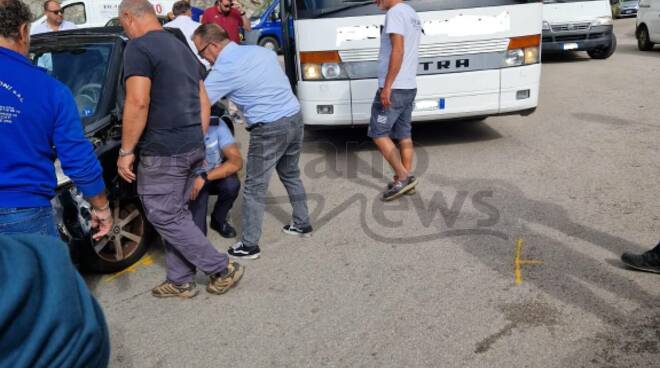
(391, 112)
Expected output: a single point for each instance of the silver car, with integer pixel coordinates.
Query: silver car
(626, 8)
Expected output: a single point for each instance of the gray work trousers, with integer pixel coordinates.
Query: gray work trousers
(164, 185)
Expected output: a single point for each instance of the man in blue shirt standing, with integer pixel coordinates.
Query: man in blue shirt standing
(218, 177)
(252, 78)
(38, 122)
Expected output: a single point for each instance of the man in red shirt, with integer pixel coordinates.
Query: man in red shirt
(229, 15)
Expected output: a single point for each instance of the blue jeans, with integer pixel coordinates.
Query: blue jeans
(36, 220)
(277, 146)
(394, 122)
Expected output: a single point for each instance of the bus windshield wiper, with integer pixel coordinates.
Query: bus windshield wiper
(350, 5)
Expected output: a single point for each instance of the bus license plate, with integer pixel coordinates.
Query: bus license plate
(570, 46)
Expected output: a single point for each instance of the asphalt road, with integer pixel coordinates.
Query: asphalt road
(430, 280)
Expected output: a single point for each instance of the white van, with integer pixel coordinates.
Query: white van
(648, 24)
(96, 13)
(578, 25)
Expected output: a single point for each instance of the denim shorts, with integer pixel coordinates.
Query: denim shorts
(395, 121)
(37, 220)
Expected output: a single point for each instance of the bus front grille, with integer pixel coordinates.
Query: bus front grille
(434, 50)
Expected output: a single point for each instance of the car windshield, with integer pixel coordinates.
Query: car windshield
(354, 8)
(259, 11)
(82, 68)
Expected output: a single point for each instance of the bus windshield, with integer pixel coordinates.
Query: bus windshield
(307, 9)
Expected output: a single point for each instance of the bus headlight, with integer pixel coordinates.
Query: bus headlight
(330, 70)
(515, 57)
(312, 72)
(322, 65)
(602, 21)
(531, 55)
(523, 51)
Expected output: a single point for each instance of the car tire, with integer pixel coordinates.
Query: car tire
(643, 39)
(269, 43)
(603, 53)
(126, 243)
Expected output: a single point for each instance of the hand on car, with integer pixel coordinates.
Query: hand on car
(197, 187)
(385, 95)
(125, 167)
(101, 220)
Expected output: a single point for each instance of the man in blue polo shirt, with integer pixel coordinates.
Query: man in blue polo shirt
(38, 122)
(252, 78)
(218, 177)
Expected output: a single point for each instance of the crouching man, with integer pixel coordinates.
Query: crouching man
(223, 160)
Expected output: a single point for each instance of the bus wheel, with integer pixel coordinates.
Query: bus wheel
(603, 52)
(269, 43)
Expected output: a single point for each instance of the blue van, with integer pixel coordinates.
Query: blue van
(266, 26)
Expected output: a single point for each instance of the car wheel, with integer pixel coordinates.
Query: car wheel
(603, 52)
(269, 43)
(126, 243)
(643, 40)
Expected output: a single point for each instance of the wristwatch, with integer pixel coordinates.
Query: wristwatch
(242, 13)
(123, 153)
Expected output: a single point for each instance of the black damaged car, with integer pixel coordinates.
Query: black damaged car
(89, 62)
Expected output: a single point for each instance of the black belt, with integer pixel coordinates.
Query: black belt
(255, 125)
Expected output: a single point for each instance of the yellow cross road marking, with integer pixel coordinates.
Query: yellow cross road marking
(147, 260)
(517, 262)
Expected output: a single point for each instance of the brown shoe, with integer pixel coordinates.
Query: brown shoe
(168, 289)
(225, 280)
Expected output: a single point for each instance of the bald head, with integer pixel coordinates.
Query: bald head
(137, 17)
(138, 8)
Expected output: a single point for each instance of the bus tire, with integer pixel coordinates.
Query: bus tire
(269, 43)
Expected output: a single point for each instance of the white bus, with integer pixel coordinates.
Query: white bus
(478, 58)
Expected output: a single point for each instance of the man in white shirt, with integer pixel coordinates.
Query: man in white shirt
(182, 12)
(54, 19)
(391, 112)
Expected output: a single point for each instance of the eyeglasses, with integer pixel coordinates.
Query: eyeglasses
(57, 12)
(201, 51)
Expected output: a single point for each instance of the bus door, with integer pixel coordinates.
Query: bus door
(287, 11)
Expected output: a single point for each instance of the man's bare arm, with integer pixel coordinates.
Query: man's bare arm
(246, 23)
(205, 107)
(396, 59)
(136, 110)
(232, 164)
